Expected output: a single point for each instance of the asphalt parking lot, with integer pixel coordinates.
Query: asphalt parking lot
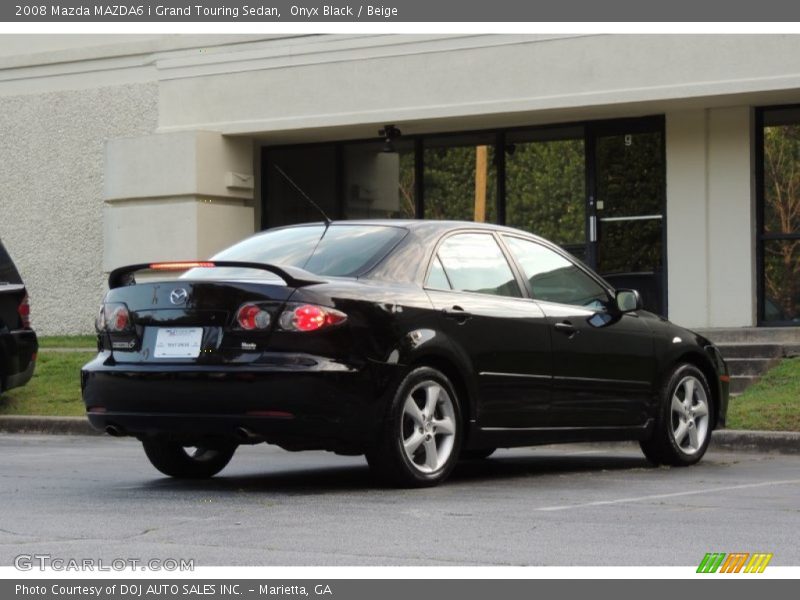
(98, 497)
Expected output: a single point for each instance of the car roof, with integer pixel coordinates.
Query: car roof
(427, 226)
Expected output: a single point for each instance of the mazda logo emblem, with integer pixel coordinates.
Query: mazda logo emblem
(178, 296)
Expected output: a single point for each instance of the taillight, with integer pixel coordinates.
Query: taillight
(24, 310)
(113, 317)
(309, 317)
(120, 319)
(253, 317)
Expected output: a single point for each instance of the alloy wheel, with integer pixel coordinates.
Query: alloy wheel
(428, 426)
(690, 415)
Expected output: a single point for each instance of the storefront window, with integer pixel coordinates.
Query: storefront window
(460, 178)
(545, 187)
(313, 169)
(597, 189)
(379, 184)
(780, 235)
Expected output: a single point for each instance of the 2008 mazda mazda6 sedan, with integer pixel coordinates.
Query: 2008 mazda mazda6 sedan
(415, 343)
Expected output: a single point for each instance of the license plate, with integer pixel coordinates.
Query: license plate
(178, 342)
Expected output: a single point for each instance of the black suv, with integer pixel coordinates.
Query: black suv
(18, 344)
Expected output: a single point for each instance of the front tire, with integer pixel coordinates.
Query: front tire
(187, 463)
(683, 424)
(420, 441)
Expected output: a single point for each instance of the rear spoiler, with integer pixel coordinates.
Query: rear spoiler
(293, 276)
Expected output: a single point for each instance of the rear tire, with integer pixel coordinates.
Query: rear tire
(683, 424)
(184, 463)
(420, 440)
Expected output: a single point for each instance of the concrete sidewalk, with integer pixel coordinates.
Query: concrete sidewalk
(784, 442)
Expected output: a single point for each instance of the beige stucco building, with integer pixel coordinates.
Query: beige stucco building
(123, 149)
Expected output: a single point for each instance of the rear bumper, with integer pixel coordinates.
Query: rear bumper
(327, 405)
(18, 356)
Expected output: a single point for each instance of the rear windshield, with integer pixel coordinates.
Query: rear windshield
(340, 251)
(8, 272)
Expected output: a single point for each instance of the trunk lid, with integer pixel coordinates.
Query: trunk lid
(185, 321)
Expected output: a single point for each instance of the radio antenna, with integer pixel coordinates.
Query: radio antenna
(304, 195)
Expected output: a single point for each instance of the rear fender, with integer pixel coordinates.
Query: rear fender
(431, 347)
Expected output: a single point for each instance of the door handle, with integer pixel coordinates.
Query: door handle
(566, 328)
(457, 313)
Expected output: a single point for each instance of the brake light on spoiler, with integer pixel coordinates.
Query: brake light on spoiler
(180, 266)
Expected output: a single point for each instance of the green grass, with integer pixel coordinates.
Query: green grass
(68, 341)
(772, 404)
(54, 390)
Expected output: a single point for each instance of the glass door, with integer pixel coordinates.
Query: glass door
(626, 208)
(545, 185)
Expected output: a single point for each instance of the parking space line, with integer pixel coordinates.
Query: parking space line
(672, 495)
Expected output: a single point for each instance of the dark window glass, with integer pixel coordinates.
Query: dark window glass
(379, 184)
(781, 216)
(437, 278)
(313, 169)
(782, 280)
(782, 178)
(341, 251)
(460, 178)
(553, 278)
(474, 263)
(546, 186)
(631, 176)
(630, 247)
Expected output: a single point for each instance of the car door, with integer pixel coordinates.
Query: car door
(604, 361)
(504, 335)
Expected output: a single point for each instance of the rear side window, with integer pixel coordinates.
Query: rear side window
(8, 272)
(553, 278)
(437, 278)
(473, 262)
(339, 251)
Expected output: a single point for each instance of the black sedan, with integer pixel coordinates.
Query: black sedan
(415, 343)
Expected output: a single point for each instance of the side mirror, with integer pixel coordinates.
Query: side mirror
(628, 300)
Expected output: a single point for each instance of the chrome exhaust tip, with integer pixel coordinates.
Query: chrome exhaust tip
(115, 431)
(247, 436)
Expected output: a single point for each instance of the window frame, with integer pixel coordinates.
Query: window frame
(604, 285)
(523, 291)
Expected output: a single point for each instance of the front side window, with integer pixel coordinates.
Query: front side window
(553, 278)
(474, 262)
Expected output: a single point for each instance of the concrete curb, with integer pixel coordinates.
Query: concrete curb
(54, 425)
(783, 442)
